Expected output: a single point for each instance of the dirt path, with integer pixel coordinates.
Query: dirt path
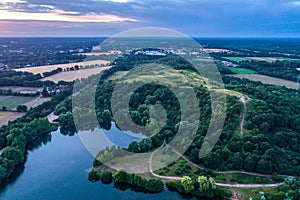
(249, 185)
(52, 117)
(243, 99)
(176, 178)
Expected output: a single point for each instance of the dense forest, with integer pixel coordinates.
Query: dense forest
(281, 69)
(24, 79)
(20, 52)
(19, 135)
(271, 131)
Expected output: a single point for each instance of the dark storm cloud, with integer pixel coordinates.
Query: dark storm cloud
(229, 18)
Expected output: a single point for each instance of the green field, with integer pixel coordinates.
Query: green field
(268, 80)
(11, 102)
(236, 59)
(203, 59)
(266, 59)
(242, 71)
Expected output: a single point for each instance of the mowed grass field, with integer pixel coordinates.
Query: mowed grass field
(5, 117)
(236, 59)
(49, 68)
(267, 59)
(242, 71)
(269, 80)
(271, 59)
(73, 75)
(23, 90)
(11, 102)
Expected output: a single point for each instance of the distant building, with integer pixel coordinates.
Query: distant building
(151, 53)
(56, 90)
(96, 48)
(229, 64)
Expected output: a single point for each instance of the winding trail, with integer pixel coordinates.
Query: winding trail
(243, 99)
(176, 178)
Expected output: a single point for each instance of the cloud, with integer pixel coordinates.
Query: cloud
(12, 1)
(119, 1)
(194, 17)
(62, 16)
(294, 3)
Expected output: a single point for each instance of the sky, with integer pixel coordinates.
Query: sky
(197, 18)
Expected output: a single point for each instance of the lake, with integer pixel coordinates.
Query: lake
(59, 170)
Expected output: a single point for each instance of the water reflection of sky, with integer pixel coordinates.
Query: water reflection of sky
(99, 139)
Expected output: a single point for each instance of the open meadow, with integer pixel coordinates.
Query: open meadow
(11, 102)
(242, 71)
(266, 59)
(268, 80)
(48, 68)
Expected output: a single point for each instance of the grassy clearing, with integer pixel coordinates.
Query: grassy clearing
(117, 75)
(269, 80)
(247, 179)
(176, 78)
(242, 71)
(237, 59)
(246, 193)
(48, 68)
(73, 75)
(12, 102)
(5, 117)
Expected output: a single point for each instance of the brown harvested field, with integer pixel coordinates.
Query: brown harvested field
(5, 117)
(73, 75)
(23, 90)
(49, 68)
(268, 80)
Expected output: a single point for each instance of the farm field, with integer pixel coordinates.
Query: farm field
(22, 90)
(268, 80)
(236, 59)
(36, 102)
(204, 59)
(242, 71)
(73, 75)
(48, 68)
(267, 59)
(5, 117)
(11, 102)
(271, 59)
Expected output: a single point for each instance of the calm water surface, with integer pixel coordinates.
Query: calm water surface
(59, 170)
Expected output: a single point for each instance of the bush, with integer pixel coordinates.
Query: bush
(106, 177)
(154, 185)
(94, 176)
